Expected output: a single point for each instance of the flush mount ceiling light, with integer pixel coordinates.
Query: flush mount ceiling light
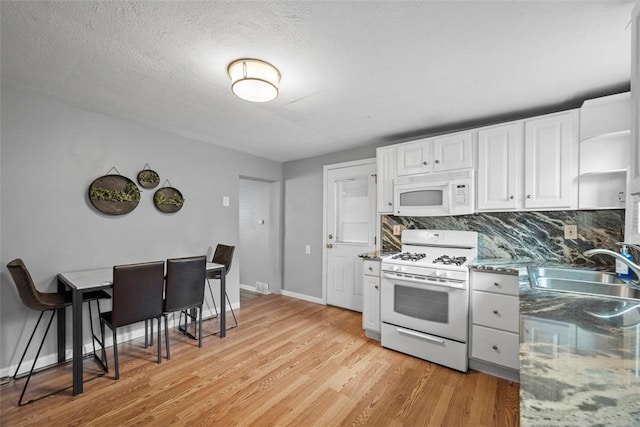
(254, 80)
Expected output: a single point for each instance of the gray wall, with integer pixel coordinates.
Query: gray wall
(51, 152)
(303, 188)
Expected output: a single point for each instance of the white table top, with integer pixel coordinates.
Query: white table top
(103, 277)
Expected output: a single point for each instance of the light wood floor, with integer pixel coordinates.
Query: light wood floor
(289, 363)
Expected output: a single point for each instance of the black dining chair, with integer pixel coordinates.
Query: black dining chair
(137, 296)
(222, 255)
(43, 302)
(184, 292)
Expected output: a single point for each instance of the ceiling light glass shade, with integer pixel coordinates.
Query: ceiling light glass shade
(254, 80)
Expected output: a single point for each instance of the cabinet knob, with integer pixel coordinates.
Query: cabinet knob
(424, 163)
(528, 196)
(511, 197)
(437, 161)
(389, 203)
(370, 269)
(495, 312)
(495, 347)
(496, 284)
(376, 286)
(329, 245)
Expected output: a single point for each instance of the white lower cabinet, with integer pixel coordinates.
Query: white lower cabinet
(371, 298)
(495, 324)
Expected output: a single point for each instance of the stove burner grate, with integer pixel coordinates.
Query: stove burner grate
(408, 256)
(449, 260)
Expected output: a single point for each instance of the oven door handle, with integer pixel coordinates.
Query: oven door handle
(397, 278)
(414, 334)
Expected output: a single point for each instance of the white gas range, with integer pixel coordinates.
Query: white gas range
(425, 296)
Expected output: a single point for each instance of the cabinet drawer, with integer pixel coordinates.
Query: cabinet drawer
(498, 347)
(493, 282)
(371, 268)
(496, 311)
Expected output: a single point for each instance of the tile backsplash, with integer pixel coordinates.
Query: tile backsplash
(525, 235)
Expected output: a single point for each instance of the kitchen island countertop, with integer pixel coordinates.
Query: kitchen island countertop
(579, 355)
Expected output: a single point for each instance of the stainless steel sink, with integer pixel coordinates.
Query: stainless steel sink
(588, 282)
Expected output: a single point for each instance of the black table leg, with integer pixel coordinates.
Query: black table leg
(62, 329)
(77, 342)
(223, 302)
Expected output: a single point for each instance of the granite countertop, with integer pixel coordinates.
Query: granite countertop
(579, 356)
(375, 255)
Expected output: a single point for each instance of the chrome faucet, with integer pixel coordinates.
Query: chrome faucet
(633, 266)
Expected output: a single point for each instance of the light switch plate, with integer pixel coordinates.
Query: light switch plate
(571, 232)
(225, 201)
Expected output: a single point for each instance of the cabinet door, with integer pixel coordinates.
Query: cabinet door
(452, 152)
(385, 162)
(499, 160)
(413, 158)
(371, 303)
(549, 162)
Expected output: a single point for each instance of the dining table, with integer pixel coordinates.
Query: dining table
(80, 282)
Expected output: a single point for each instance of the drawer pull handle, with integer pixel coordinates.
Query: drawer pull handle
(495, 347)
(419, 335)
(495, 312)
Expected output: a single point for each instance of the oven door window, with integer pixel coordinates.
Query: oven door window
(422, 198)
(420, 303)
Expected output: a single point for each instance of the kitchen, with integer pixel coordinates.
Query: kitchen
(67, 145)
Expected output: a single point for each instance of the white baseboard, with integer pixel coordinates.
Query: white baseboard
(296, 295)
(253, 289)
(124, 334)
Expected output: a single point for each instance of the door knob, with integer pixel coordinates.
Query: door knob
(329, 245)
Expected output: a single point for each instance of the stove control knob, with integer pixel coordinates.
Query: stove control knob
(395, 268)
(447, 274)
(438, 273)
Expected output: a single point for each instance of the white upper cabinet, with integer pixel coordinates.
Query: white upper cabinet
(437, 154)
(385, 163)
(551, 162)
(452, 152)
(529, 165)
(605, 136)
(499, 173)
(413, 157)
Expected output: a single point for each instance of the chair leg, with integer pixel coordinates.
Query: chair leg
(200, 328)
(232, 312)
(159, 339)
(24, 389)
(104, 351)
(166, 335)
(212, 298)
(28, 344)
(115, 353)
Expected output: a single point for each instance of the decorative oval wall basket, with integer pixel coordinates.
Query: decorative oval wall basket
(148, 178)
(114, 194)
(168, 199)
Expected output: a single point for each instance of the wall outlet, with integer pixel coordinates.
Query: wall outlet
(307, 249)
(571, 232)
(397, 230)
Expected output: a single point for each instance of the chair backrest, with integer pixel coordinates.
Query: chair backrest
(185, 283)
(224, 255)
(29, 295)
(137, 292)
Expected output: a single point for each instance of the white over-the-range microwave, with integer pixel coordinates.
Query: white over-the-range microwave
(435, 194)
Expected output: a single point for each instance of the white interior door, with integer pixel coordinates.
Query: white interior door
(350, 229)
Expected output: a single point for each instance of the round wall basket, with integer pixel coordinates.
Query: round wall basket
(168, 199)
(148, 178)
(114, 194)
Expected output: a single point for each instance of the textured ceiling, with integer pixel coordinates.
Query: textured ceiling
(353, 73)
